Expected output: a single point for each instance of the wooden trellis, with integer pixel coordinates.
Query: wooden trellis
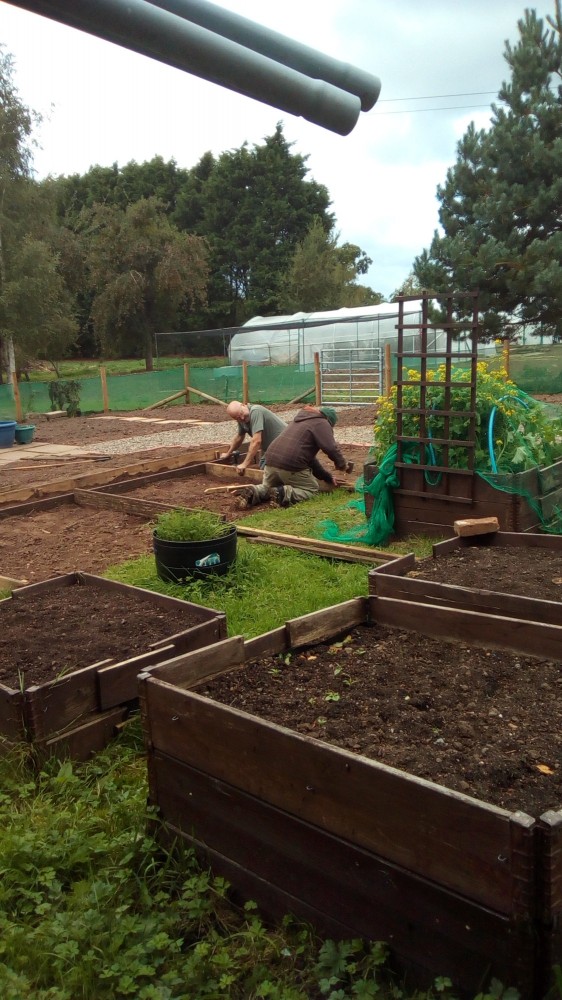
(429, 471)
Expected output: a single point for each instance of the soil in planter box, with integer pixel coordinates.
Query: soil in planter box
(58, 631)
(485, 723)
(529, 572)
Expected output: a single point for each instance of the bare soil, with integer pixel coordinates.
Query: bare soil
(528, 572)
(488, 724)
(48, 634)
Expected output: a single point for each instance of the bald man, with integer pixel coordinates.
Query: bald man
(259, 423)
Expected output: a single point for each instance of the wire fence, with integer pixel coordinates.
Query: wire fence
(536, 369)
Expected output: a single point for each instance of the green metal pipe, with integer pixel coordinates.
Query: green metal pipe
(151, 31)
(278, 47)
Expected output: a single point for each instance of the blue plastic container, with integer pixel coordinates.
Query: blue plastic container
(7, 433)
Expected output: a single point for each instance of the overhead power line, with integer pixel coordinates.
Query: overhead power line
(435, 97)
(450, 107)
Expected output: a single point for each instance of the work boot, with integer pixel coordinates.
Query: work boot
(247, 498)
(278, 498)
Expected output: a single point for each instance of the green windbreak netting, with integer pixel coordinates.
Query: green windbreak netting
(267, 384)
(518, 439)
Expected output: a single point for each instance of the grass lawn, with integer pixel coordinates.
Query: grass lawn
(77, 369)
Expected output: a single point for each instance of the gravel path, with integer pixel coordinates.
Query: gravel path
(217, 433)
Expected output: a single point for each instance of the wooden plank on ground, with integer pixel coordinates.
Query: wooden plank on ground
(430, 831)
(312, 549)
(245, 531)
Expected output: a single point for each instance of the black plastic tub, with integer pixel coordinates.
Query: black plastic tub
(179, 561)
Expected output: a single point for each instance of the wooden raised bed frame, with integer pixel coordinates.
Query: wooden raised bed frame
(455, 885)
(78, 713)
(420, 508)
(390, 580)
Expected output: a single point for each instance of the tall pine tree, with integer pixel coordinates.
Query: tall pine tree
(501, 204)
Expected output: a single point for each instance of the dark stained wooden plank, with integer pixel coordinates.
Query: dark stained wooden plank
(51, 708)
(549, 854)
(490, 631)
(84, 741)
(200, 664)
(427, 925)
(445, 836)
(12, 726)
(551, 504)
(33, 589)
(118, 681)
(326, 622)
(143, 594)
(16, 510)
(124, 505)
(397, 566)
(550, 477)
(268, 644)
(196, 636)
(450, 595)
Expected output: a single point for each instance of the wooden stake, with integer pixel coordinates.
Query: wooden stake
(245, 395)
(162, 402)
(317, 387)
(387, 370)
(186, 383)
(105, 397)
(303, 395)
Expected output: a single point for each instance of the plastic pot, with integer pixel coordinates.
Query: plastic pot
(177, 562)
(7, 433)
(25, 433)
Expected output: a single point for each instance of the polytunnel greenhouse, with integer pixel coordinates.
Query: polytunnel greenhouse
(293, 340)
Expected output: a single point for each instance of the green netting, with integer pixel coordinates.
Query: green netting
(267, 384)
(516, 437)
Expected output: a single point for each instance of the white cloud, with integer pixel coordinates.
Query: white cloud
(111, 105)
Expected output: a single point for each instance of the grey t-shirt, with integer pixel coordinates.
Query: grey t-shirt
(262, 419)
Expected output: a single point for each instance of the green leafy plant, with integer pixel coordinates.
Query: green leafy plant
(65, 394)
(181, 525)
(513, 432)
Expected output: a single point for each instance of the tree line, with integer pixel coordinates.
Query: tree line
(99, 262)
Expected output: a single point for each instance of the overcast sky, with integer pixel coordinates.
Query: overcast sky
(103, 104)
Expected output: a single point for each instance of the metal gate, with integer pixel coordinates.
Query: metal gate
(351, 375)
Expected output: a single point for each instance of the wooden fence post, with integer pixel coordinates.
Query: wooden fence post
(387, 370)
(505, 354)
(186, 383)
(317, 385)
(105, 397)
(245, 393)
(17, 398)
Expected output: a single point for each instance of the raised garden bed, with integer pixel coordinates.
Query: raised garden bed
(70, 652)
(420, 508)
(458, 884)
(504, 573)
